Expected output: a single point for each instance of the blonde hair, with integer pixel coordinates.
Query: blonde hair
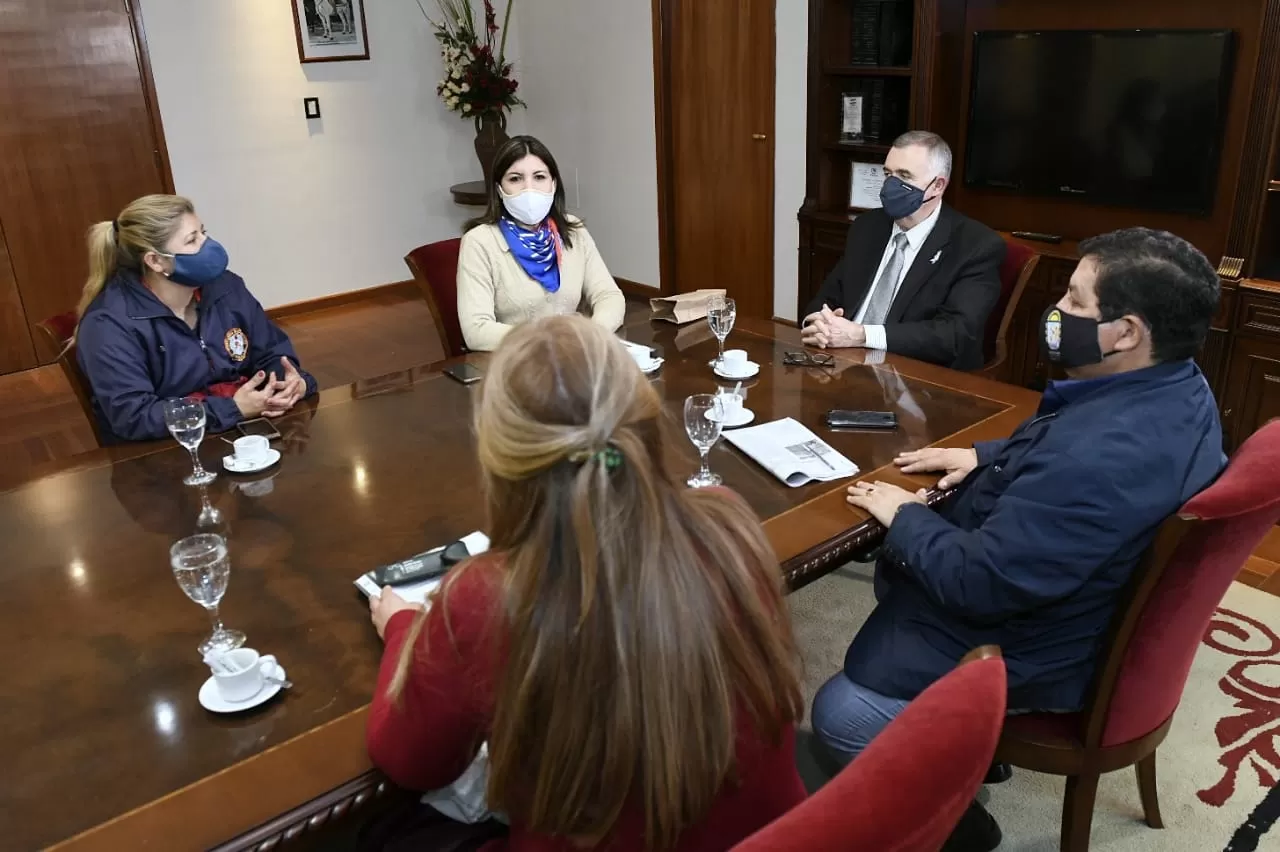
(640, 618)
(145, 225)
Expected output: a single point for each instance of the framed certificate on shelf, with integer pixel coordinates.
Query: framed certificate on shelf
(851, 117)
(864, 185)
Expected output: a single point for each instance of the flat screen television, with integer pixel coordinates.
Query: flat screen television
(1124, 117)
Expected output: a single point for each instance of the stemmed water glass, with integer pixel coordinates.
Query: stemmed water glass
(703, 416)
(202, 568)
(721, 313)
(186, 419)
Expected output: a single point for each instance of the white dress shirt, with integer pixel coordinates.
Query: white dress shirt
(915, 239)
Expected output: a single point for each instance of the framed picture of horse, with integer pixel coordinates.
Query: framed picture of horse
(330, 30)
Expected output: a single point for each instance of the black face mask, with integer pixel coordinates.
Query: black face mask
(1069, 340)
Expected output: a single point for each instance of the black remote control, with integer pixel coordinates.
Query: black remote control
(423, 566)
(1037, 236)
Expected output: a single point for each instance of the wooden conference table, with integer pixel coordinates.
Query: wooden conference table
(103, 743)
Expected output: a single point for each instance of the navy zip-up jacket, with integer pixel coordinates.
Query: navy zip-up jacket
(136, 353)
(1033, 551)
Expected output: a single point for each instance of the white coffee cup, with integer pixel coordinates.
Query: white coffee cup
(240, 674)
(735, 361)
(251, 450)
(731, 405)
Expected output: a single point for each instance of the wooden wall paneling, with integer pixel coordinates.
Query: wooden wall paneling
(1078, 220)
(161, 149)
(77, 143)
(1252, 392)
(1261, 137)
(720, 108)
(16, 349)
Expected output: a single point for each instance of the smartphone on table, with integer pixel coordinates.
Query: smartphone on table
(842, 419)
(259, 426)
(465, 373)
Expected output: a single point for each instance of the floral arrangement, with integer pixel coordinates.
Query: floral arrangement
(477, 78)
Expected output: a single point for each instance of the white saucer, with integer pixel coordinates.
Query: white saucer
(211, 699)
(745, 416)
(653, 367)
(230, 463)
(752, 369)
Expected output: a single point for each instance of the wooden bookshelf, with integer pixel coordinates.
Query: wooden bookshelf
(838, 48)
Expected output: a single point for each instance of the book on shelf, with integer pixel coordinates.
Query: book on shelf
(881, 32)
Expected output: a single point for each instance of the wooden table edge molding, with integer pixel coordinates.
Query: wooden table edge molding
(325, 773)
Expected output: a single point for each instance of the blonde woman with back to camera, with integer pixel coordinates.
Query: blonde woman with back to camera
(623, 648)
(526, 257)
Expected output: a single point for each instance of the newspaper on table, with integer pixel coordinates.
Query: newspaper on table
(791, 452)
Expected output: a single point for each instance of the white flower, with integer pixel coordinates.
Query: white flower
(466, 87)
(466, 107)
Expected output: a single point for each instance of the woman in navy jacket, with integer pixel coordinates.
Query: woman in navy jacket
(162, 318)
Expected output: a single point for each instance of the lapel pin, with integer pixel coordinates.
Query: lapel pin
(935, 258)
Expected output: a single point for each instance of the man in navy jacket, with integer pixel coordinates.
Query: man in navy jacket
(1045, 528)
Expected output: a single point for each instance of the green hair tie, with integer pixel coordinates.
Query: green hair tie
(610, 455)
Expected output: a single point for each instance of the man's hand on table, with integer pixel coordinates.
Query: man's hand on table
(882, 500)
(954, 463)
(828, 329)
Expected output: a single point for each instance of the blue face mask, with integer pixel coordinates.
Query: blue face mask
(202, 267)
(900, 199)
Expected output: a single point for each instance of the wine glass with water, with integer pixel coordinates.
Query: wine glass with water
(186, 420)
(703, 416)
(202, 568)
(721, 313)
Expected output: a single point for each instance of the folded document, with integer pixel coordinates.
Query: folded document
(791, 452)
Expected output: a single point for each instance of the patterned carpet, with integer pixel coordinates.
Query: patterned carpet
(1217, 771)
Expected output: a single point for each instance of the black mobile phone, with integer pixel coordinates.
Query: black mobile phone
(841, 419)
(464, 373)
(259, 426)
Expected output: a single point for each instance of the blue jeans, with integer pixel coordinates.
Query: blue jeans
(847, 716)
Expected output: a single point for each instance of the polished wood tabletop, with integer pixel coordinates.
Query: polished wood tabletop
(104, 744)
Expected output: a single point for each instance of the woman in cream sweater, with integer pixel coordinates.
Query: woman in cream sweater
(525, 257)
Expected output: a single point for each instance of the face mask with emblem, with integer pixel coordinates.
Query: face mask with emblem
(201, 267)
(1069, 340)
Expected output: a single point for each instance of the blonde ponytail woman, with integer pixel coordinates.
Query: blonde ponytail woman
(161, 317)
(624, 648)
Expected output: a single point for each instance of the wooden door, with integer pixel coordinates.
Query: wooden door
(78, 141)
(716, 114)
(16, 351)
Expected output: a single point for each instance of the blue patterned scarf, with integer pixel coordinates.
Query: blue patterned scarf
(538, 252)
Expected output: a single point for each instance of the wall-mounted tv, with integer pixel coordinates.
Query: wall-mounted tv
(1125, 117)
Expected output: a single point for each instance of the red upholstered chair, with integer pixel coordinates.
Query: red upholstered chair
(1019, 265)
(908, 790)
(1148, 658)
(59, 335)
(435, 268)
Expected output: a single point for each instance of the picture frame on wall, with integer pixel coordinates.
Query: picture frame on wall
(330, 30)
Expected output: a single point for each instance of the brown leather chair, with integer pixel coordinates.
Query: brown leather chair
(1019, 265)
(435, 268)
(59, 332)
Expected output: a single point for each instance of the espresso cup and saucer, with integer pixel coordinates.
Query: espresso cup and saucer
(242, 679)
(736, 365)
(644, 359)
(252, 454)
(735, 412)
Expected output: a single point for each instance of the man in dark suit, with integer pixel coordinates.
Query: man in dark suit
(917, 278)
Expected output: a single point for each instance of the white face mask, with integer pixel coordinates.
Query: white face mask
(530, 206)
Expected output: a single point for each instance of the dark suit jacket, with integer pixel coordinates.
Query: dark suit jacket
(940, 312)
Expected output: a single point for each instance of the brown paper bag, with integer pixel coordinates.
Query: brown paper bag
(683, 307)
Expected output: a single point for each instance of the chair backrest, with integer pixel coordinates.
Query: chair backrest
(909, 788)
(435, 268)
(1177, 587)
(59, 332)
(1019, 264)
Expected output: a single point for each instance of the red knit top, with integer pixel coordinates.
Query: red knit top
(428, 738)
